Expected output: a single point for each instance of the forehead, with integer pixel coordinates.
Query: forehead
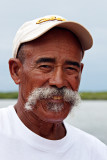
(56, 42)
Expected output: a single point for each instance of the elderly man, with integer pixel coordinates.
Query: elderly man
(46, 64)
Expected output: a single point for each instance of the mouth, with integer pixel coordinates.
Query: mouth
(57, 97)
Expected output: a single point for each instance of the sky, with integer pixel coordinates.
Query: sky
(90, 13)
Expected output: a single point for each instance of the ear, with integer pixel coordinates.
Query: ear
(82, 66)
(15, 69)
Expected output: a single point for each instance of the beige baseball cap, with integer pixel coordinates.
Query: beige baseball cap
(33, 29)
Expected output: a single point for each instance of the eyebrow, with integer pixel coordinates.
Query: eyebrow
(72, 63)
(45, 59)
(52, 60)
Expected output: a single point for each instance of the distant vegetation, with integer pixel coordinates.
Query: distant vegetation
(93, 95)
(9, 95)
(84, 95)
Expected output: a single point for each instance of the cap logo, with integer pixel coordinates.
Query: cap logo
(50, 19)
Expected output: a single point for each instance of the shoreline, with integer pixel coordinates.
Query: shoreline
(84, 95)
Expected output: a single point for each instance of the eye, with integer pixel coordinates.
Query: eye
(45, 68)
(71, 68)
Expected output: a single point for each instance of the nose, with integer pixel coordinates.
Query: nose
(57, 78)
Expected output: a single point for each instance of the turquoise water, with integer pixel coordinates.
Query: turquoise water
(90, 116)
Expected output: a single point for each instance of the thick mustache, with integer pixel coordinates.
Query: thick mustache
(68, 95)
(45, 93)
(50, 92)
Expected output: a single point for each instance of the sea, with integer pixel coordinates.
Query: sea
(89, 116)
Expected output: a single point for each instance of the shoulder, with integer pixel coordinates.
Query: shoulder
(5, 113)
(87, 142)
(81, 135)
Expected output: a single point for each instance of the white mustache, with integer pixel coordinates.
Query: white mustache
(68, 95)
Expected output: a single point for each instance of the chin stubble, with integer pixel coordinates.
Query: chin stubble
(68, 95)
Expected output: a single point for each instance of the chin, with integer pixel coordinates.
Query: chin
(53, 116)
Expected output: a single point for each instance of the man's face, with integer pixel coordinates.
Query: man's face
(53, 61)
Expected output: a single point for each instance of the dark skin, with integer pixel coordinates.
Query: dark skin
(52, 60)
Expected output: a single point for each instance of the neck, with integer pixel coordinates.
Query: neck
(52, 131)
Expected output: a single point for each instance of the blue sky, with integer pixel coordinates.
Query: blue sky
(90, 13)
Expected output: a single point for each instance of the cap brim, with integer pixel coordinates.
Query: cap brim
(33, 32)
(81, 32)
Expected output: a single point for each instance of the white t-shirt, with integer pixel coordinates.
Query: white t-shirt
(17, 142)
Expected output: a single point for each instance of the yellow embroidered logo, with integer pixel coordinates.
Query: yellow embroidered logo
(50, 19)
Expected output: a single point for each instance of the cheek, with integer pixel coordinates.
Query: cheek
(31, 80)
(39, 80)
(74, 82)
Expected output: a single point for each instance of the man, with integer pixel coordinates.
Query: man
(46, 64)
